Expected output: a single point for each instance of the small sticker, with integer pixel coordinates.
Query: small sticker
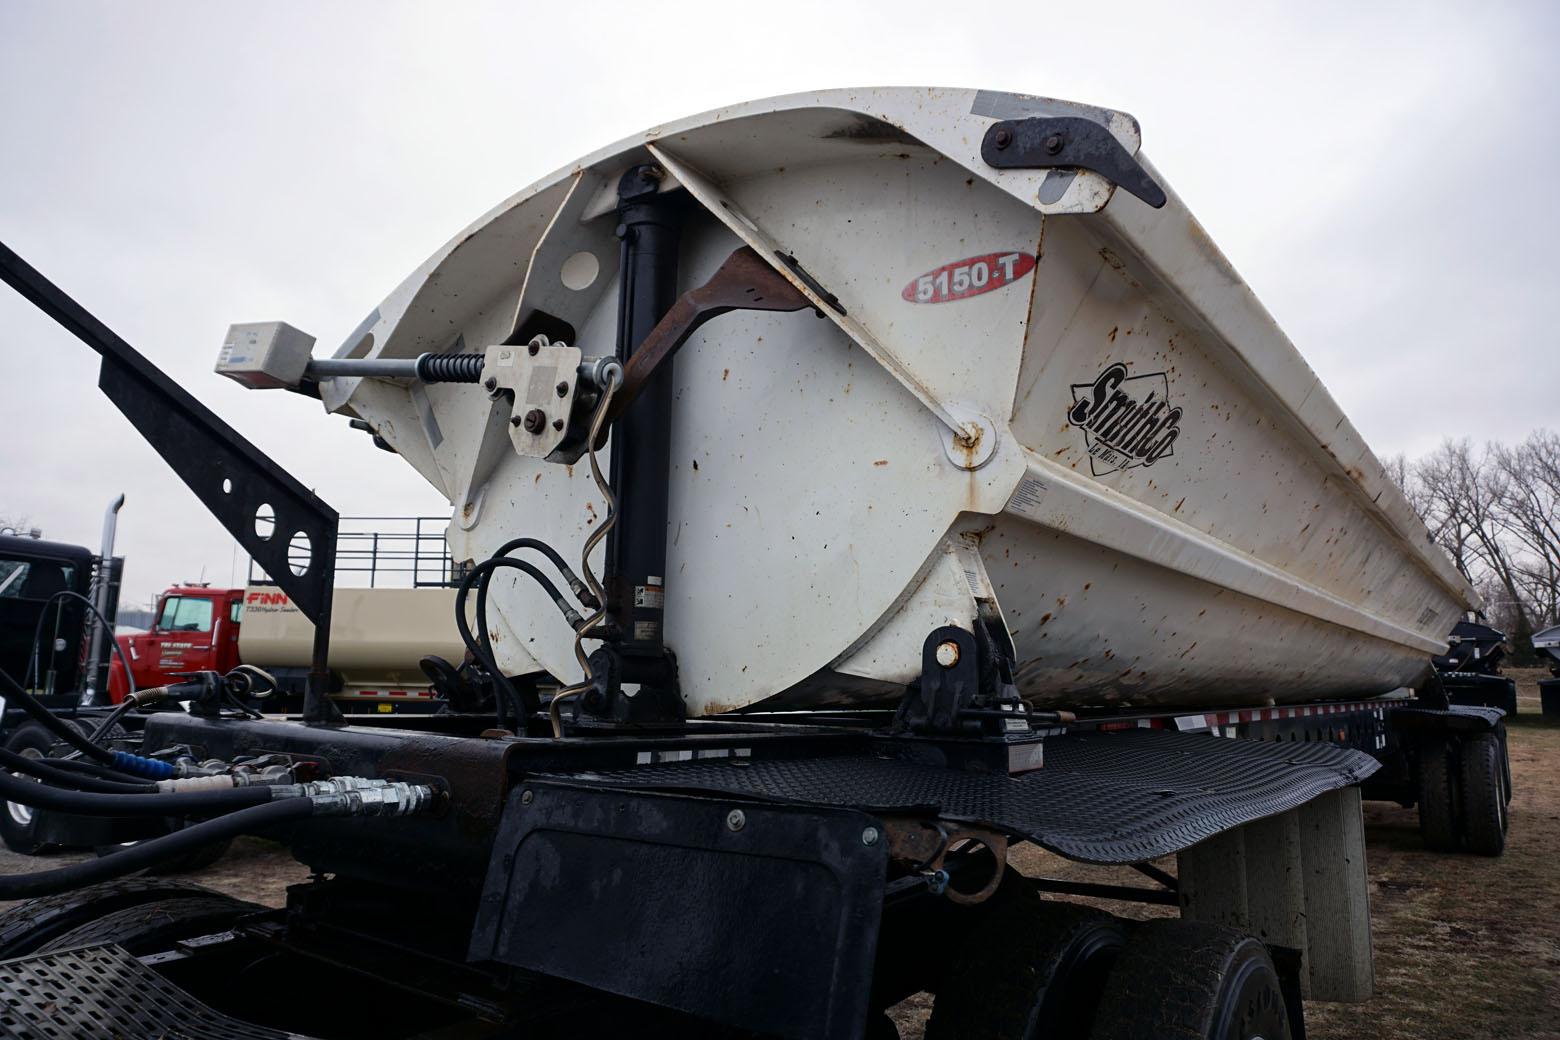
(1026, 499)
(651, 596)
(647, 631)
(961, 279)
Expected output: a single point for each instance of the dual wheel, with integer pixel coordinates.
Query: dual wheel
(1465, 793)
(1037, 969)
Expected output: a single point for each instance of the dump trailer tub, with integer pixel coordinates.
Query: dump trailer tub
(1026, 394)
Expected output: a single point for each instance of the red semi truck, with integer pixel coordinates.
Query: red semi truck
(198, 628)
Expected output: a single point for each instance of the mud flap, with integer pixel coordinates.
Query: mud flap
(756, 916)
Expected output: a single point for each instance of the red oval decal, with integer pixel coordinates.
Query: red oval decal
(971, 276)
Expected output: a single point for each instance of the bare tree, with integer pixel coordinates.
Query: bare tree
(1497, 514)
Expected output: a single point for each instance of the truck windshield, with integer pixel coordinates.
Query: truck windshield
(185, 614)
(34, 579)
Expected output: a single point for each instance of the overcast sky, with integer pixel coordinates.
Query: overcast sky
(1383, 175)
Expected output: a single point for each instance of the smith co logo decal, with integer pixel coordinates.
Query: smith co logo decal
(969, 277)
(1126, 420)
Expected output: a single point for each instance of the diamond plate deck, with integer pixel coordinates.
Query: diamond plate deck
(103, 993)
(1117, 797)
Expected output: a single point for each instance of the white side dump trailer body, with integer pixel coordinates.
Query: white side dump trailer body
(1025, 391)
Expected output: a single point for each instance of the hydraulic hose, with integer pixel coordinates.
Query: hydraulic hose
(113, 641)
(45, 771)
(614, 380)
(46, 718)
(84, 803)
(579, 588)
(509, 698)
(78, 766)
(150, 853)
(107, 725)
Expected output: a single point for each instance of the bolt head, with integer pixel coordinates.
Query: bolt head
(490, 384)
(947, 653)
(535, 420)
(563, 389)
(514, 420)
(869, 837)
(736, 819)
(1053, 144)
(527, 797)
(1002, 138)
(558, 424)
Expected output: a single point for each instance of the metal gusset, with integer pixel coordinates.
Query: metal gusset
(1040, 143)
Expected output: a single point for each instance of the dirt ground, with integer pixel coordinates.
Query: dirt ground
(1465, 946)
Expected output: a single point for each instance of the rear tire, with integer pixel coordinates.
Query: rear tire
(18, 822)
(1484, 814)
(147, 927)
(1186, 980)
(1438, 797)
(28, 925)
(1030, 969)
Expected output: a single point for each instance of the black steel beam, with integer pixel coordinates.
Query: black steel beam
(231, 477)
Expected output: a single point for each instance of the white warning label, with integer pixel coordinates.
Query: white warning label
(1026, 499)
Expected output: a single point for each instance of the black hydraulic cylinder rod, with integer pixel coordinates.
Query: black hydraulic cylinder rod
(151, 853)
(649, 225)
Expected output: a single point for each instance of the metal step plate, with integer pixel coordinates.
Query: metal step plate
(103, 993)
(1102, 797)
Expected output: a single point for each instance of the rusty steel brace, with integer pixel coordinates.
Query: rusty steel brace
(744, 282)
(923, 846)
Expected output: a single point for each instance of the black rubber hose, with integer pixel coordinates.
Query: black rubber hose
(78, 765)
(151, 853)
(43, 770)
(509, 698)
(113, 641)
(579, 588)
(83, 803)
(119, 712)
(46, 718)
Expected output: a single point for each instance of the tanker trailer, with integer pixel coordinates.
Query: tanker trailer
(947, 490)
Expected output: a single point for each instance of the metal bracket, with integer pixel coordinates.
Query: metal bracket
(1040, 143)
(541, 377)
(745, 281)
(232, 478)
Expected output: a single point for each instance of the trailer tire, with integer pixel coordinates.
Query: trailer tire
(30, 924)
(1030, 969)
(143, 928)
(1187, 980)
(1438, 797)
(19, 823)
(1484, 812)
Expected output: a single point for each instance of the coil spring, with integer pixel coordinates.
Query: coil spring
(450, 368)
